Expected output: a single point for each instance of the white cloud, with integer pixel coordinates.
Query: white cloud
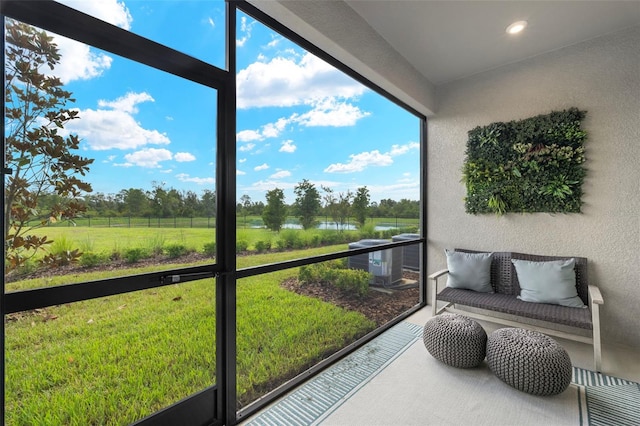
(240, 172)
(267, 185)
(183, 177)
(288, 82)
(269, 130)
(249, 135)
(263, 166)
(183, 157)
(112, 11)
(273, 130)
(247, 147)
(327, 112)
(148, 158)
(288, 146)
(361, 161)
(330, 112)
(403, 149)
(127, 103)
(104, 129)
(409, 189)
(211, 22)
(245, 29)
(78, 61)
(281, 174)
(242, 160)
(275, 40)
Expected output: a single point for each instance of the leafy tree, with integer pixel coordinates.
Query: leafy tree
(101, 204)
(135, 202)
(337, 207)
(361, 204)
(166, 203)
(41, 160)
(257, 208)
(190, 204)
(330, 202)
(344, 207)
(275, 212)
(245, 206)
(208, 203)
(407, 208)
(386, 207)
(307, 203)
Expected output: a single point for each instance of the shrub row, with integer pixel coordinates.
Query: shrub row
(136, 254)
(335, 272)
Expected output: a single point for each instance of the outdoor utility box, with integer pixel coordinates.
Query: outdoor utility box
(410, 254)
(384, 265)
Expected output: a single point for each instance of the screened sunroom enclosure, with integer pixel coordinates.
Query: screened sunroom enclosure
(152, 304)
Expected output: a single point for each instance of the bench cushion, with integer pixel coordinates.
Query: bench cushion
(509, 304)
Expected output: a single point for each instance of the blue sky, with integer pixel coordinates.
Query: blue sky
(298, 117)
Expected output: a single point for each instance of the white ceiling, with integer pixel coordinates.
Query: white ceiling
(449, 40)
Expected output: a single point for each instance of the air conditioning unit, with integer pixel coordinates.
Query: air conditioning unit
(384, 265)
(410, 254)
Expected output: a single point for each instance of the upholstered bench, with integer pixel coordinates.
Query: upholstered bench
(506, 288)
(455, 340)
(529, 361)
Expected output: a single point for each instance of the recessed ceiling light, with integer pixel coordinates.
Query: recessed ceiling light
(516, 27)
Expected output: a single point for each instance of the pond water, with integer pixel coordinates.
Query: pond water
(332, 226)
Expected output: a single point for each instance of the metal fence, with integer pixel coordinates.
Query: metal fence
(141, 222)
(291, 222)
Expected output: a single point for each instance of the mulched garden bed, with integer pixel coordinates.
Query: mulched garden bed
(380, 307)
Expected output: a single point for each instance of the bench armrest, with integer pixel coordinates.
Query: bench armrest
(438, 274)
(595, 300)
(595, 296)
(434, 289)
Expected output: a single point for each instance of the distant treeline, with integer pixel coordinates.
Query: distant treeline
(161, 202)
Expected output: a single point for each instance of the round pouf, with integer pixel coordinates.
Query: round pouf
(529, 361)
(456, 340)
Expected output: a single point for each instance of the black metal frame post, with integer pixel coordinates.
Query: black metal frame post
(226, 237)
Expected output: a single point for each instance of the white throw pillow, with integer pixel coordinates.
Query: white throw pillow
(551, 282)
(469, 271)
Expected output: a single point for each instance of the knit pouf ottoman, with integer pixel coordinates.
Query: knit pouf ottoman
(529, 361)
(456, 340)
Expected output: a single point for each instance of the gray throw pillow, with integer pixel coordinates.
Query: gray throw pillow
(469, 271)
(551, 282)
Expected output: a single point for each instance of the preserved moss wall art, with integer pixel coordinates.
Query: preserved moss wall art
(530, 165)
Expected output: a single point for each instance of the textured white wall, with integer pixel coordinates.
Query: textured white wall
(601, 76)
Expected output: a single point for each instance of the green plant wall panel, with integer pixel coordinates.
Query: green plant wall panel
(530, 165)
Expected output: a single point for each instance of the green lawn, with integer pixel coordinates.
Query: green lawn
(114, 360)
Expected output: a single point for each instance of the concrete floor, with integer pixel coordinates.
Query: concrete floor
(617, 361)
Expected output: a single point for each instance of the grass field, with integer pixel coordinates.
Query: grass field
(114, 360)
(110, 240)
